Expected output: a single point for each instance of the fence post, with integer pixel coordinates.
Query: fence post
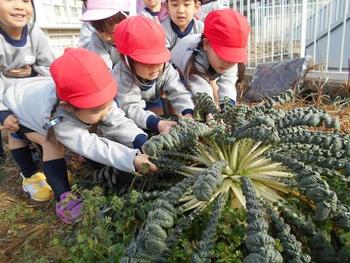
(273, 21)
(291, 28)
(303, 29)
(329, 33)
(346, 9)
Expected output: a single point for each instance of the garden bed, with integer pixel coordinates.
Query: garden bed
(262, 188)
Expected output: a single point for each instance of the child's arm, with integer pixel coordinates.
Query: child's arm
(169, 43)
(86, 31)
(133, 105)
(76, 137)
(179, 97)
(227, 85)
(119, 128)
(23, 72)
(7, 119)
(4, 111)
(130, 100)
(198, 84)
(44, 53)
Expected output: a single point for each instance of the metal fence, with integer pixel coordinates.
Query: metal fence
(286, 29)
(281, 29)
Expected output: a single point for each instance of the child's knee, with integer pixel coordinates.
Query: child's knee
(54, 149)
(16, 142)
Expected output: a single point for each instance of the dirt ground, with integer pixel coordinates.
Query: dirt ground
(28, 229)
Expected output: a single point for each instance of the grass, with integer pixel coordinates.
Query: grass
(27, 228)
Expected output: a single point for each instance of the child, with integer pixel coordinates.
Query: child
(103, 16)
(181, 21)
(143, 74)
(154, 9)
(214, 55)
(24, 48)
(80, 96)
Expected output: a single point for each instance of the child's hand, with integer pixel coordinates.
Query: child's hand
(11, 123)
(164, 126)
(141, 162)
(24, 72)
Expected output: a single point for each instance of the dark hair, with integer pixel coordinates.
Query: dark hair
(191, 68)
(130, 63)
(204, 2)
(50, 136)
(107, 24)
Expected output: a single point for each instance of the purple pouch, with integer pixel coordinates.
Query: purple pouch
(69, 208)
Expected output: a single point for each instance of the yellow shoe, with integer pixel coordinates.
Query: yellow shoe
(37, 187)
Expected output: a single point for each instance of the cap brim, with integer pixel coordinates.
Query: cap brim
(96, 99)
(231, 54)
(153, 58)
(98, 14)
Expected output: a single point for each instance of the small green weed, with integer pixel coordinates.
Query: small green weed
(107, 226)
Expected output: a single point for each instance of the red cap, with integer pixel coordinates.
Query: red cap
(142, 39)
(227, 32)
(83, 79)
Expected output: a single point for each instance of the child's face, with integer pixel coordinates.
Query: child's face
(15, 14)
(215, 61)
(182, 11)
(148, 71)
(152, 3)
(95, 115)
(107, 36)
